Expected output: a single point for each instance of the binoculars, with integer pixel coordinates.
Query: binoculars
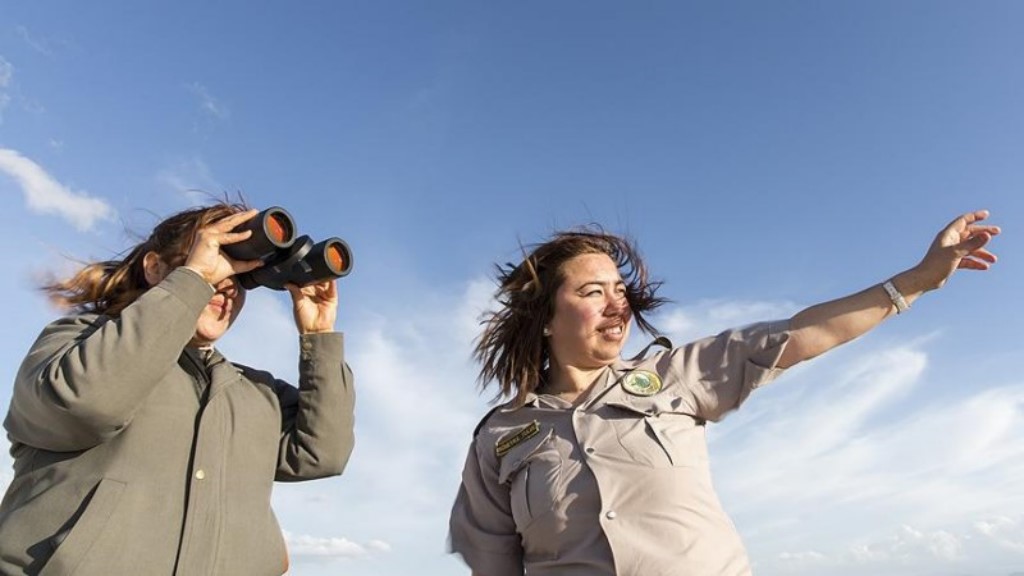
(287, 259)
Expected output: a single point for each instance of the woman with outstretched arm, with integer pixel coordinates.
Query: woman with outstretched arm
(598, 465)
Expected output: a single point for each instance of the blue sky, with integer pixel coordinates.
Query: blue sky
(765, 155)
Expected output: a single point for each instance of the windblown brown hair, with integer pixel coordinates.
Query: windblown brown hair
(107, 287)
(512, 349)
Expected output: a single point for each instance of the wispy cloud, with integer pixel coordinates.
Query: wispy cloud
(707, 317)
(38, 44)
(208, 103)
(305, 547)
(6, 74)
(45, 195)
(848, 466)
(192, 178)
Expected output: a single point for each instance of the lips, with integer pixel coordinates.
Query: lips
(613, 330)
(220, 302)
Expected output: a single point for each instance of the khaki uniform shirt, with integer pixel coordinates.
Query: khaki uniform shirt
(619, 483)
(131, 459)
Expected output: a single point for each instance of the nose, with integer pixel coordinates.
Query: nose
(229, 284)
(617, 304)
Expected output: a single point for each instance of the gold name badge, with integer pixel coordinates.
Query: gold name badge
(505, 444)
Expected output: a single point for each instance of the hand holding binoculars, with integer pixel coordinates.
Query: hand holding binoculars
(287, 259)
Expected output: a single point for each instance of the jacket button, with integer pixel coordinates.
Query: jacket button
(200, 474)
(610, 514)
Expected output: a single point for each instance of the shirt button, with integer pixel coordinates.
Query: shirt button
(610, 514)
(200, 474)
(590, 450)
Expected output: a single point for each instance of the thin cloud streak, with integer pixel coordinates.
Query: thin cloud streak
(37, 44)
(193, 179)
(6, 74)
(45, 195)
(846, 464)
(306, 547)
(209, 104)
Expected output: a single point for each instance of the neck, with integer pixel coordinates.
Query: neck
(574, 380)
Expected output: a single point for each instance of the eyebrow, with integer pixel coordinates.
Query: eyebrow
(600, 283)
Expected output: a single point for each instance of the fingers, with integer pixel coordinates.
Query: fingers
(243, 266)
(972, 217)
(224, 227)
(323, 291)
(972, 264)
(974, 242)
(974, 256)
(227, 238)
(982, 254)
(330, 289)
(228, 223)
(987, 228)
(294, 290)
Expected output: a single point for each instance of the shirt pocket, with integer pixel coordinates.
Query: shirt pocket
(658, 431)
(533, 472)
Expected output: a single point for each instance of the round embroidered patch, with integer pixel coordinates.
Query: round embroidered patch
(641, 383)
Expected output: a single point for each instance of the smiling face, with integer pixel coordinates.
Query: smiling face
(591, 320)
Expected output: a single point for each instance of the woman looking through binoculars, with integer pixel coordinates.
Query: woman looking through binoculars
(138, 448)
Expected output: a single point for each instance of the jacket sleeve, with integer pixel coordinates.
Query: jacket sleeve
(481, 528)
(720, 372)
(318, 418)
(84, 377)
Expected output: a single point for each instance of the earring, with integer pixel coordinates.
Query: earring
(547, 331)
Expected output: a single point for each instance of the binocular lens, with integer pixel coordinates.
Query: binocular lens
(335, 256)
(279, 227)
(272, 230)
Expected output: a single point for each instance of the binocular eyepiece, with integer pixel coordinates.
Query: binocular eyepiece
(287, 258)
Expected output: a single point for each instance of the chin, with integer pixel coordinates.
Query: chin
(209, 334)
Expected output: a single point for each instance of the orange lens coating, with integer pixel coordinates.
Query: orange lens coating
(279, 228)
(335, 257)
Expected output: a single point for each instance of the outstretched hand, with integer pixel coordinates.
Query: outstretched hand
(960, 245)
(315, 307)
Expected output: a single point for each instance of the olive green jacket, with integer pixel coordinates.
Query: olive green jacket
(130, 459)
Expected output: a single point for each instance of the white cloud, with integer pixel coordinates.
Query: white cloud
(6, 74)
(304, 547)
(1003, 531)
(707, 317)
(857, 457)
(209, 104)
(45, 195)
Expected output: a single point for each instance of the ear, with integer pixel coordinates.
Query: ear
(154, 268)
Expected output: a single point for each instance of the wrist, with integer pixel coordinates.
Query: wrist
(195, 270)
